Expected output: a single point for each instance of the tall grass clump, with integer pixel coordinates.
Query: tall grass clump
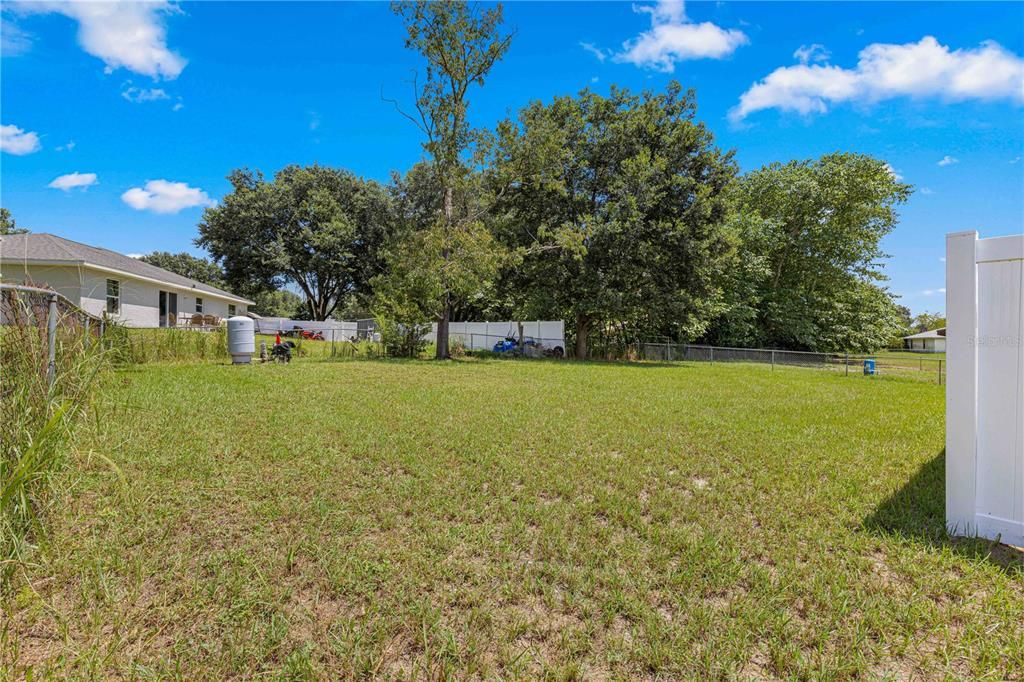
(140, 346)
(37, 418)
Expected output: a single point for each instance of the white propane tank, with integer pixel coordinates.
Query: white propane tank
(241, 339)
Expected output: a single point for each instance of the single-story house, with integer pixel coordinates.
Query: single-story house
(931, 341)
(104, 282)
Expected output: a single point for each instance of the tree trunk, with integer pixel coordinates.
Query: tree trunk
(521, 346)
(446, 315)
(442, 332)
(582, 332)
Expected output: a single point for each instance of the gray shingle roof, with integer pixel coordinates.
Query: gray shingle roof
(48, 247)
(939, 333)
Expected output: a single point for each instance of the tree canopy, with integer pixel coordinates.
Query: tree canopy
(927, 321)
(8, 225)
(320, 229)
(460, 43)
(807, 273)
(187, 265)
(616, 206)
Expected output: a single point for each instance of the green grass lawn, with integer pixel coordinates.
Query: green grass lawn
(515, 520)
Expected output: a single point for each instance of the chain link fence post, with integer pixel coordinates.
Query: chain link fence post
(51, 334)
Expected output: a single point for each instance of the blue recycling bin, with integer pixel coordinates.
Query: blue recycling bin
(869, 366)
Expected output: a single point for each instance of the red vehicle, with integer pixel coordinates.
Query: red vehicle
(307, 334)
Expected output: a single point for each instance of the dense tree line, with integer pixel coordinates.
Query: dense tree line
(617, 213)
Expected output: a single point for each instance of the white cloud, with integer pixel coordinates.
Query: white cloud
(942, 258)
(13, 40)
(163, 196)
(927, 190)
(884, 71)
(73, 180)
(806, 54)
(948, 160)
(129, 35)
(14, 140)
(178, 106)
(1015, 159)
(138, 95)
(66, 147)
(672, 38)
(594, 50)
(932, 292)
(135, 255)
(894, 173)
(314, 120)
(664, 12)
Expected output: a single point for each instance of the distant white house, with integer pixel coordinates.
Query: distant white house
(931, 341)
(106, 282)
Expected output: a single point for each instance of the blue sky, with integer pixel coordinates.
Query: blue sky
(121, 121)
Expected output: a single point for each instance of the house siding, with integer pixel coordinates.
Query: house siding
(927, 345)
(65, 280)
(140, 300)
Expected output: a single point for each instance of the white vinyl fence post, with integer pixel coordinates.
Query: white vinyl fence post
(961, 381)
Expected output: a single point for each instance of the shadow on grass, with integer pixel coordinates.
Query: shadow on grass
(917, 511)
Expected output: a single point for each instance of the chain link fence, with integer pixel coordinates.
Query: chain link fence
(43, 331)
(873, 364)
(50, 354)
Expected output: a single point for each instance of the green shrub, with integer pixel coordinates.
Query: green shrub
(402, 340)
(139, 346)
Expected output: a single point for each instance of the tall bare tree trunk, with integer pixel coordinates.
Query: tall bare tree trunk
(582, 332)
(446, 314)
(442, 331)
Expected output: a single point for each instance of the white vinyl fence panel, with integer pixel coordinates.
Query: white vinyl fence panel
(339, 328)
(474, 335)
(985, 389)
(483, 335)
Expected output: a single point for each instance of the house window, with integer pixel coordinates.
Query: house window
(199, 305)
(113, 297)
(231, 310)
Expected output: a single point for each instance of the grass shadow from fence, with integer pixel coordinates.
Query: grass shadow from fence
(917, 512)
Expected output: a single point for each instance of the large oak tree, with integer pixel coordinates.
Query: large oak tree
(320, 229)
(615, 205)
